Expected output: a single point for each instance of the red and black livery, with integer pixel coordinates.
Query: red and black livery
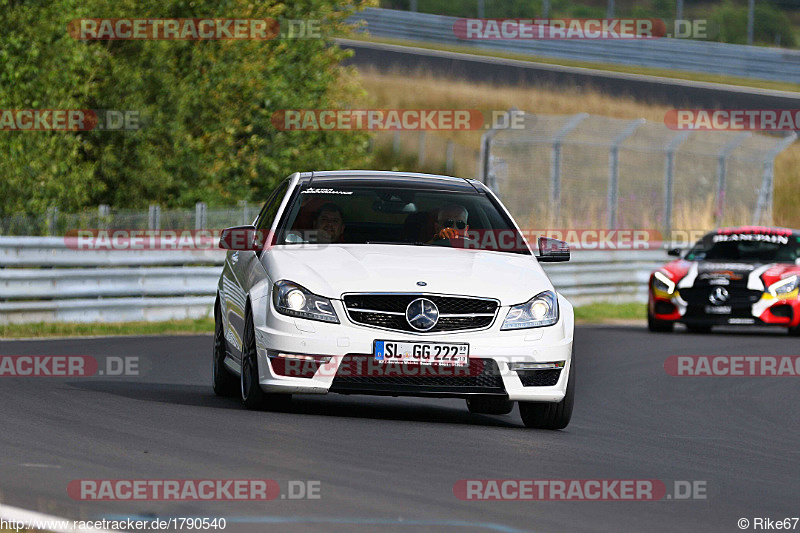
(746, 275)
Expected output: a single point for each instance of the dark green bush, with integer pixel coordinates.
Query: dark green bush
(206, 106)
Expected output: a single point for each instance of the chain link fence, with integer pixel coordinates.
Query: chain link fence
(586, 171)
(53, 222)
(559, 171)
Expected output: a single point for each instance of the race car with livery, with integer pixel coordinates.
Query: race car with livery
(732, 276)
(366, 282)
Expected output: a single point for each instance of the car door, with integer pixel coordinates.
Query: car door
(243, 270)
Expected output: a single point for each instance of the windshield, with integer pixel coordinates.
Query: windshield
(375, 214)
(746, 247)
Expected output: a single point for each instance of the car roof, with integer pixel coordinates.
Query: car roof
(389, 178)
(763, 230)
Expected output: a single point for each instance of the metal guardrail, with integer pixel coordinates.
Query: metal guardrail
(41, 280)
(672, 54)
(111, 310)
(605, 275)
(27, 284)
(53, 252)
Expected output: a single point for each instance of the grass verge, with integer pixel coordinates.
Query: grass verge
(600, 313)
(586, 314)
(76, 329)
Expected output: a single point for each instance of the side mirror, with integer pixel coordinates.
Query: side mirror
(240, 238)
(552, 250)
(675, 252)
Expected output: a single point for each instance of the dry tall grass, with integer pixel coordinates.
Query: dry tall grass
(786, 205)
(423, 90)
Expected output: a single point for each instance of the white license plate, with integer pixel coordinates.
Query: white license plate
(424, 353)
(718, 309)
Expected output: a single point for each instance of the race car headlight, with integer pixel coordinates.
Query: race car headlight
(663, 283)
(784, 286)
(293, 300)
(539, 311)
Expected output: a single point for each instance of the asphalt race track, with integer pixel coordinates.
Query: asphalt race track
(390, 464)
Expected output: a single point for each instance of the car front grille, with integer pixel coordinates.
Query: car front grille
(456, 313)
(362, 372)
(737, 296)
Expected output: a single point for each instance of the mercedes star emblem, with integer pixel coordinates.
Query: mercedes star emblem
(718, 296)
(422, 314)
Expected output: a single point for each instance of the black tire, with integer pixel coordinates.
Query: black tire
(252, 395)
(698, 329)
(548, 415)
(489, 405)
(223, 382)
(659, 326)
(794, 332)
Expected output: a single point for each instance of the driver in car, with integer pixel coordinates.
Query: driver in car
(451, 223)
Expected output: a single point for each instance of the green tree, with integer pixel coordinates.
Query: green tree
(770, 24)
(205, 106)
(42, 67)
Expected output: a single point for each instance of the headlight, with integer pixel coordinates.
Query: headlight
(539, 311)
(293, 300)
(784, 286)
(663, 283)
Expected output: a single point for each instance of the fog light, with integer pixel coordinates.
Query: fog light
(555, 365)
(782, 311)
(664, 308)
(300, 357)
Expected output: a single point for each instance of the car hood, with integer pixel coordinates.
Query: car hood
(334, 270)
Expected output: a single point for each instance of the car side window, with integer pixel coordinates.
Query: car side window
(267, 216)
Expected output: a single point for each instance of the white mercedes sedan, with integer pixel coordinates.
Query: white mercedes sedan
(398, 284)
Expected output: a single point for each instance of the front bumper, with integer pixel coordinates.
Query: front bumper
(765, 310)
(491, 351)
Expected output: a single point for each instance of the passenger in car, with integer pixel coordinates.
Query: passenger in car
(329, 223)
